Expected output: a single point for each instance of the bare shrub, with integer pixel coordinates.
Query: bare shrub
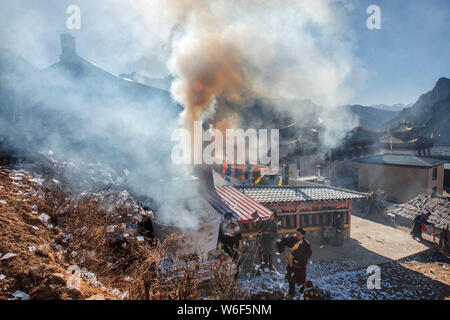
(222, 285)
(120, 261)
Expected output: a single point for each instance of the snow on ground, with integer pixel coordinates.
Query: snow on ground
(37, 244)
(397, 281)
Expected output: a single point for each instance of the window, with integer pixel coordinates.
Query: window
(434, 173)
(434, 190)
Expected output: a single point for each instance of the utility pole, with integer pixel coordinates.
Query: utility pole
(329, 166)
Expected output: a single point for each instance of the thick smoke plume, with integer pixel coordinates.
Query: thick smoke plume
(207, 68)
(225, 55)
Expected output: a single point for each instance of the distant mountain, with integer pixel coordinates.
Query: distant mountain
(432, 109)
(74, 101)
(75, 73)
(74, 77)
(160, 83)
(370, 118)
(394, 107)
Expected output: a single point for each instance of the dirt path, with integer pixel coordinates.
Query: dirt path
(342, 270)
(371, 243)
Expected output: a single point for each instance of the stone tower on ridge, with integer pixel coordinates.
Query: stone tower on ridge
(68, 49)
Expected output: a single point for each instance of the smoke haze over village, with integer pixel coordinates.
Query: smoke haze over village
(89, 123)
(231, 66)
(122, 40)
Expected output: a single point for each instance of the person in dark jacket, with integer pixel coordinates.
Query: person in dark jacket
(231, 238)
(419, 222)
(338, 224)
(297, 257)
(268, 230)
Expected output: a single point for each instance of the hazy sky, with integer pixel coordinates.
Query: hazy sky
(408, 55)
(402, 60)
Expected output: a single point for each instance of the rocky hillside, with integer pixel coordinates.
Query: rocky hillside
(59, 243)
(75, 107)
(431, 109)
(394, 107)
(369, 117)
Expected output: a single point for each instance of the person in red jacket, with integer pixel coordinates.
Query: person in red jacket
(298, 254)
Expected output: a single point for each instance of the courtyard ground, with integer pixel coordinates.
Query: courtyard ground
(371, 242)
(409, 269)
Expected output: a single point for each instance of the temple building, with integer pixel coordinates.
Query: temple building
(298, 144)
(401, 176)
(408, 139)
(312, 207)
(302, 154)
(358, 142)
(404, 139)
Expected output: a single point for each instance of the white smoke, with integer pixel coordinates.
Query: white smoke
(220, 52)
(292, 49)
(231, 50)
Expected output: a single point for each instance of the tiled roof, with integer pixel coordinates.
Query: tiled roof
(229, 199)
(401, 160)
(438, 206)
(265, 194)
(361, 134)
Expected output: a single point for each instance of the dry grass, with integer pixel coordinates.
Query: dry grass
(120, 261)
(223, 286)
(80, 237)
(40, 272)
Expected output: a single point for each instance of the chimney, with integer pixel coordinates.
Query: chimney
(68, 51)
